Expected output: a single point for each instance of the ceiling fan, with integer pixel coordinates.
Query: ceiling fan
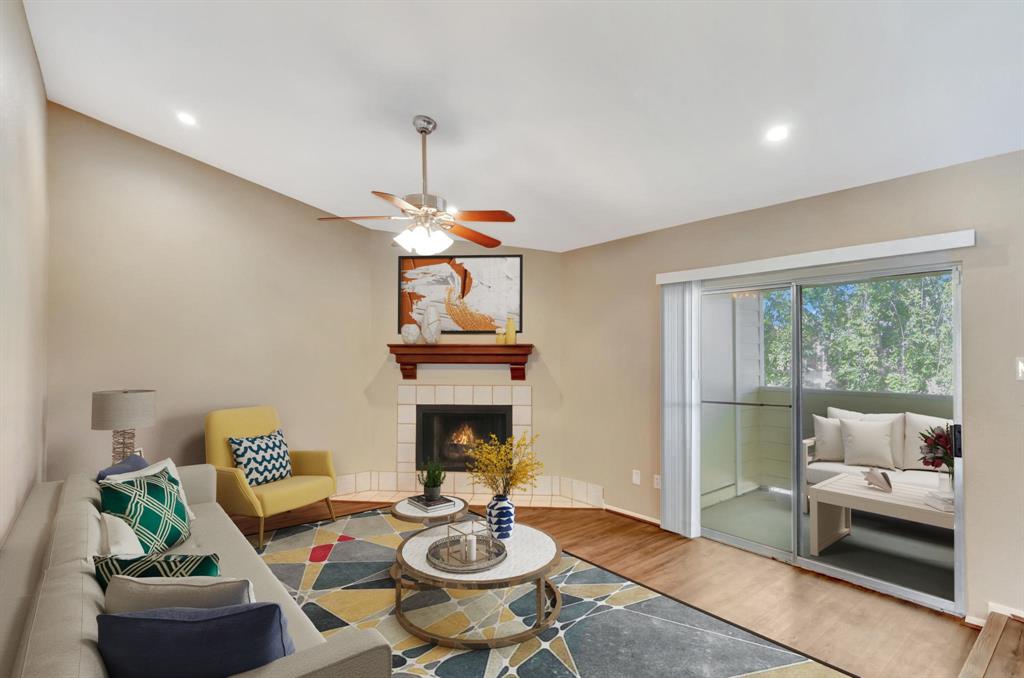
(432, 219)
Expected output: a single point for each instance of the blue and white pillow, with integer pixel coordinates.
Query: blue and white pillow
(263, 459)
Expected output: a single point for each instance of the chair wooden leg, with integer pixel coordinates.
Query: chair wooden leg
(330, 507)
(260, 543)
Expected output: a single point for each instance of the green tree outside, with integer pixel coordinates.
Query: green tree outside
(889, 335)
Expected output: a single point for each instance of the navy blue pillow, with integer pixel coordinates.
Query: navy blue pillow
(133, 462)
(173, 642)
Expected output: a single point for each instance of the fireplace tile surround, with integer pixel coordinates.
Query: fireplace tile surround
(552, 491)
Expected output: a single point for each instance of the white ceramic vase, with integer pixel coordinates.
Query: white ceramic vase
(410, 333)
(431, 328)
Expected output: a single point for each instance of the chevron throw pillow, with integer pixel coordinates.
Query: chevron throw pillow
(263, 459)
(165, 565)
(152, 507)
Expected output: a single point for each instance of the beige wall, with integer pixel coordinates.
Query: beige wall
(169, 274)
(23, 232)
(611, 373)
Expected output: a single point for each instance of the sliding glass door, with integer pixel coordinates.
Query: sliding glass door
(746, 419)
(807, 388)
(877, 365)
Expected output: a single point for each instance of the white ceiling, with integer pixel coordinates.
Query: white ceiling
(589, 122)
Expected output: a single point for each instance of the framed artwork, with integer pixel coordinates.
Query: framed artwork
(474, 294)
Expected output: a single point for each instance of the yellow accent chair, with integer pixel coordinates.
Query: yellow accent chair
(312, 477)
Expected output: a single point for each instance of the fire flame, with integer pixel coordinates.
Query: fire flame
(463, 435)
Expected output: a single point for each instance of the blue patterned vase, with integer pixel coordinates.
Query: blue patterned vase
(501, 517)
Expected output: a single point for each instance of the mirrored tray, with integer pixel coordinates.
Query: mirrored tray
(449, 554)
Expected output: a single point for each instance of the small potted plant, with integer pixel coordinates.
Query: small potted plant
(503, 467)
(431, 477)
(937, 452)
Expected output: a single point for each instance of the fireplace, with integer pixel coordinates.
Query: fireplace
(446, 432)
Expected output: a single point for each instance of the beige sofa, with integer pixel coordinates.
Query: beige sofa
(48, 623)
(906, 427)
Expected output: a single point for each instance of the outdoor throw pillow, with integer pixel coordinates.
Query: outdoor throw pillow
(867, 443)
(828, 440)
(134, 594)
(172, 642)
(152, 507)
(166, 565)
(263, 459)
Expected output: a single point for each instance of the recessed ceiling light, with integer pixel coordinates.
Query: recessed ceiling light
(187, 119)
(777, 133)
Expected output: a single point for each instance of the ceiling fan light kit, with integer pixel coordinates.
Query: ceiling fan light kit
(431, 220)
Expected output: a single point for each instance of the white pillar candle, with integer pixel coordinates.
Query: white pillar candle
(471, 547)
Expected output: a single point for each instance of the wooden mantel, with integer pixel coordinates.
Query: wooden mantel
(411, 355)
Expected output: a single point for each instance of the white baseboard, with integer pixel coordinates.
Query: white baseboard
(998, 609)
(1006, 609)
(632, 514)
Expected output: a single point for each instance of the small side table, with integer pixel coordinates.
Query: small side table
(406, 510)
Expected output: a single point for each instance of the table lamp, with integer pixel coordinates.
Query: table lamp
(122, 412)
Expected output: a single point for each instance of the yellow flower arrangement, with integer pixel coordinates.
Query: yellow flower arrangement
(504, 466)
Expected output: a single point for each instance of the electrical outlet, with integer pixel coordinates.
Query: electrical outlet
(657, 482)
(1020, 369)
(636, 477)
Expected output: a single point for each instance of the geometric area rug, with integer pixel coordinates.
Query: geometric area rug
(609, 627)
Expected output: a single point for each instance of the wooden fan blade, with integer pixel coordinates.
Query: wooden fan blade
(474, 236)
(394, 200)
(483, 215)
(360, 218)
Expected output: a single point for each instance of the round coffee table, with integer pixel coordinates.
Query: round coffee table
(532, 555)
(409, 512)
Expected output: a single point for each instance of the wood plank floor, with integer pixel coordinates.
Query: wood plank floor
(860, 631)
(999, 650)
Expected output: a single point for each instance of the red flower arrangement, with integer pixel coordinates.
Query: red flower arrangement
(937, 450)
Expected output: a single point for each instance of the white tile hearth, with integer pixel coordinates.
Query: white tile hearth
(502, 395)
(406, 395)
(407, 433)
(579, 490)
(522, 415)
(543, 485)
(388, 481)
(346, 484)
(406, 414)
(392, 485)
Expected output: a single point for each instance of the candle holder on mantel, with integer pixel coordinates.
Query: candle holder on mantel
(468, 547)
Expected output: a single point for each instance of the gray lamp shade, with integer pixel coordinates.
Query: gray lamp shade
(119, 410)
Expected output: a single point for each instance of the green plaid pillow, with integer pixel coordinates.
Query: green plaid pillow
(152, 507)
(166, 565)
